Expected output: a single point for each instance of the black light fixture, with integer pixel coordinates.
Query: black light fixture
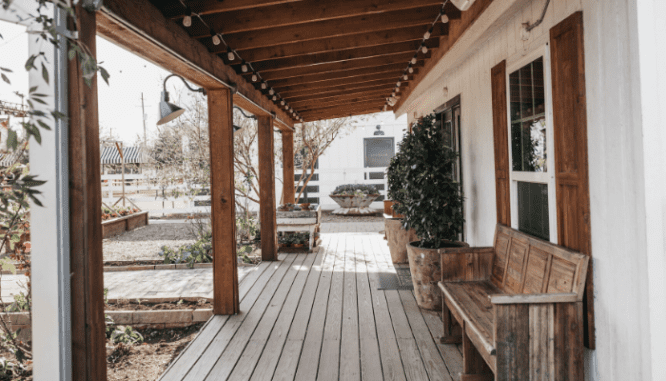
(169, 111)
(379, 131)
(237, 128)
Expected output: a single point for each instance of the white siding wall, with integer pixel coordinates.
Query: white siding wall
(626, 156)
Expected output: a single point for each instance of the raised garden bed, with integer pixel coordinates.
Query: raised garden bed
(120, 225)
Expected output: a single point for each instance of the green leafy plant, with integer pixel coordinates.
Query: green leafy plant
(125, 335)
(21, 303)
(433, 199)
(199, 252)
(395, 178)
(354, 190)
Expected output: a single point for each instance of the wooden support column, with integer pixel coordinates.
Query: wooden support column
(85, 200)
(267, 207)
(223, 202)
(288, 167)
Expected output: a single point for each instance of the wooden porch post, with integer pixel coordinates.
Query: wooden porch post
(267, 207)
(223, 202)
(288, 167)
(85, 200)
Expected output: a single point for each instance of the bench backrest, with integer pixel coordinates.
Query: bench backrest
(527, 265)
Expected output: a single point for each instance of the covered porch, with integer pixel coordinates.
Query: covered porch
(322, 317)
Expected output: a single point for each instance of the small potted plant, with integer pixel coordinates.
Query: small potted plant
(432, 206)
(396, 235)
(298, 240)
(354, 199)
(286, 208)
(305, 206)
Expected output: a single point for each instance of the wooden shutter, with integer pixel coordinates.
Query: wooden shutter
(501, 142)
(571, 167)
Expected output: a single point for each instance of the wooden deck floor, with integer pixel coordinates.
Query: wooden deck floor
(321, 317)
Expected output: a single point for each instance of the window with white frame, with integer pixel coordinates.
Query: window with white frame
(530, 139)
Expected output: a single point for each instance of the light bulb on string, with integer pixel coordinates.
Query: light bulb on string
(255, 78)
(216, 38)
(282, 103)
(410, 69)
(274, 98)
(445, 18)
(398, 84)
(187, 20)
(426, 35)
(264, 85)
(413, 61)
(244, 67)
(405, 77)
(271, 91)
(230, 54)
(424, 49)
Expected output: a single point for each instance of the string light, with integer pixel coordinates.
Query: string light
(217, 39)
(390, 102)
(282, 103)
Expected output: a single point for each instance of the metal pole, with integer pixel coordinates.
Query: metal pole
(143, 116)
(122, 167)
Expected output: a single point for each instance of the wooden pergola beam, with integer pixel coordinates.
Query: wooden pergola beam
(386, 89)
(267, 207)
(356, 41)
(351, 97)
(140, 27)
(326, 29)
(288, 191)
(334, 89)
(85, 215)
(350, 65)
(340, 113)
(396, 69)
(303, 12)
(343, 81)
(341, 56)
(204, 6)
(349, 103)
(223, 205)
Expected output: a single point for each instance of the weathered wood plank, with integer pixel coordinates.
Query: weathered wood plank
(302, 291)
(267, 207)
(329, 360)
(350, 365)
(262, 289)
(288, 190)
(388, 345)
(315, 327)
(449, 352)
(85, 198)
(223, 204)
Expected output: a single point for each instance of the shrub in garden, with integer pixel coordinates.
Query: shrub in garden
(354, 190)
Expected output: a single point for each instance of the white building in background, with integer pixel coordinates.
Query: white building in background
(360, 157)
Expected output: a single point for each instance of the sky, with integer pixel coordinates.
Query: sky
(120, 109)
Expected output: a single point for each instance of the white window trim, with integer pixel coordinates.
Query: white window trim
(548, 177)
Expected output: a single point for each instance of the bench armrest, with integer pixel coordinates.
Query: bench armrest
(569, 297)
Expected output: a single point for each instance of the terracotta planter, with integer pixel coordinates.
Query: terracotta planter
(425, 266)
(354, 205)
(388, 207)
(398, 238)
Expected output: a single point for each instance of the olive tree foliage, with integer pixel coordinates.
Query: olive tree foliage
(18, 186)
(313, 139)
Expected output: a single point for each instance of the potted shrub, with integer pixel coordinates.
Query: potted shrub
(397, 236)
(432, 206)
(354, 199)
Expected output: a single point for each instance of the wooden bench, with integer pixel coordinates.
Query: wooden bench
(517, 308)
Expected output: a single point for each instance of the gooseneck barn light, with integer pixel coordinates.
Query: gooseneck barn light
(169, 111)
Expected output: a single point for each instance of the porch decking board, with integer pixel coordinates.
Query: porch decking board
(321, 317)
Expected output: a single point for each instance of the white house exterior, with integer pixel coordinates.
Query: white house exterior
(625, 61)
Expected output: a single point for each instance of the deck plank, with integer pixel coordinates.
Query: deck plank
(265, 311)
(350, 365)
(267, 283)
(329, 359)
(388, 346)
(449, 352)
(371, 363)
(276, 342)
(188, 357)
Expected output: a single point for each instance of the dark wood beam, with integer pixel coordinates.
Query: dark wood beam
(207, 6)
(396, 69)
(223, 205)
(334, 89)
(288, 190)
(141, 28)
(381, 94)
(340, 113)
(360, 103)
(85, 216)
(362, 40)
(343, 81)
(387, 89)
(341, 56)
(456, 29)
(347, 65)
(303, 12)
(327, 29)
(267, 207)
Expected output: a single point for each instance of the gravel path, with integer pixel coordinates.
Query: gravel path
(145, 242)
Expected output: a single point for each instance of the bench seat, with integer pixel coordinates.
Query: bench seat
(516, 308)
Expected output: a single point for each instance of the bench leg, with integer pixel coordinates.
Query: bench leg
(474, 366)
(452, 330)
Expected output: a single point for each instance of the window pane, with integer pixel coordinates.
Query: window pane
(378, 152)
(528, 122)
(533, 209)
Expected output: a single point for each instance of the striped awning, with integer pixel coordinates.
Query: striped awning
(7, 159)
(133, 155)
